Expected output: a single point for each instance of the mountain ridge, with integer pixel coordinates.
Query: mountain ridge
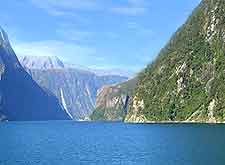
(41, 62)
(21, 99)
(75, 88)
(185, 82)
(54, 62)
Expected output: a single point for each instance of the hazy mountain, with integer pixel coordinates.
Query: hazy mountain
(113, 101)
(43, 62)
(119, 72)
(102, 72)
(21, 98)
(187, 80)
(75, 88)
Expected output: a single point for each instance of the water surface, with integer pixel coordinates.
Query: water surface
(71, 143)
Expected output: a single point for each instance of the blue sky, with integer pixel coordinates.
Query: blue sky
(109, 34)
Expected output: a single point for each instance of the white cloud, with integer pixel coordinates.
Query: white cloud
(70, 32)
(65, 7)
(131, 11)
(70, 53)
(54, 48)
(75, 35)
(132, 8)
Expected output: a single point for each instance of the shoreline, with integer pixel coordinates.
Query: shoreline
(125, 122)
(174, 122)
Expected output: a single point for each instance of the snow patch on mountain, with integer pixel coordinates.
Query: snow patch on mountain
(41, 62)
(53, 62)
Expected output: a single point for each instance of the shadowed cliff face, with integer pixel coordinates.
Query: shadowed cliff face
(20, 97)
(186, 82)
(75, 88)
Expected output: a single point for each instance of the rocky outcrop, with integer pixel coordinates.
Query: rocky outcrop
(75, 88)
(21, 98)
(186, 82)
(137, 106)
(113, 101)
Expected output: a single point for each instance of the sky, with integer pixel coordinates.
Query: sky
(100, 34)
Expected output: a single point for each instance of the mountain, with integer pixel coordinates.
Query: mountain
(119, 72)
(43, 62)
(101, 71)
(187, 80)
(3, 117)
(21, 98)
(112, 101)
(75, 88)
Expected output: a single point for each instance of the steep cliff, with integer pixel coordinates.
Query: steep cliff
(20, 96)
(187, 81)
(75, 88)
(112, 101)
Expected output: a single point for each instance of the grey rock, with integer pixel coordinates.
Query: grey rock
(75, 88)
(21, 98)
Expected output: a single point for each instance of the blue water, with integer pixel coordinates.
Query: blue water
(72, 143)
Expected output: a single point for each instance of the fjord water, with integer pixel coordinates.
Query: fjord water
(67, 143)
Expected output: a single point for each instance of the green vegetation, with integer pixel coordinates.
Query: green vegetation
(110, 114)
(189, 72)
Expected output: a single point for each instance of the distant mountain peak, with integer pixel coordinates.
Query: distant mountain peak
(8, 58)
(120, 72)
(53, 62)
(3, 37)
(41, 62)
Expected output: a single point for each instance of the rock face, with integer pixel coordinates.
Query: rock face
(42, 62)
(3, 117)
(75, 88)
(113, 101)
(21, 98)
(187, 80)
